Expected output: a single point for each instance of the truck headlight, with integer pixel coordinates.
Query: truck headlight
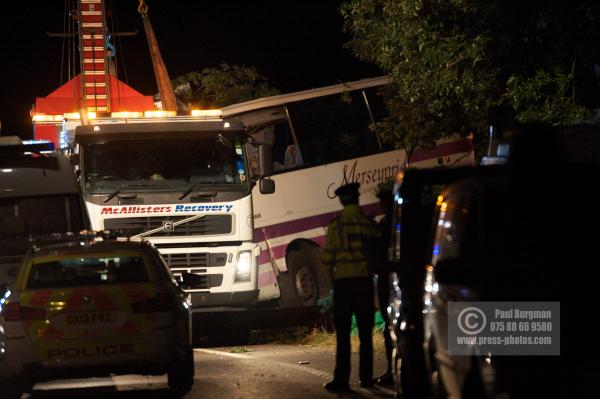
(243, 268)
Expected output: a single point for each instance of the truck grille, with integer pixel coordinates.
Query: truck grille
(208, 225)
(197, 263)
(187, 261)
(205, 282)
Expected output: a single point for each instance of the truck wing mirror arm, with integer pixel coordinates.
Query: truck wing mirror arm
(265, 160)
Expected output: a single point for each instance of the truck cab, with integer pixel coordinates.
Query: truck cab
(185, 185)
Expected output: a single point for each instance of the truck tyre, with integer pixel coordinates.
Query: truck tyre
(306, 282)
(181, 375)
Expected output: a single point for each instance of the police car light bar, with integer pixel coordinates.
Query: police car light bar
(28, 147)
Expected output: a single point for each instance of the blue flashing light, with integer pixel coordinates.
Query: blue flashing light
(436, 250)
(62, 140)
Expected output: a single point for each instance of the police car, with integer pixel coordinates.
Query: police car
(91, 307)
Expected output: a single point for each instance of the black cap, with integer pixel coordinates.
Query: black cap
(348, 190)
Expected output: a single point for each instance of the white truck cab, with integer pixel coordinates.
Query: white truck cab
(183, 184)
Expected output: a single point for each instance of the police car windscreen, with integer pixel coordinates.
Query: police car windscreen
(82, 270)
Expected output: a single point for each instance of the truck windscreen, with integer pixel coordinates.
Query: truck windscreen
(171, 163)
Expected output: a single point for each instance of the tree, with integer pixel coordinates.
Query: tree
(460, 65)
(221, 86)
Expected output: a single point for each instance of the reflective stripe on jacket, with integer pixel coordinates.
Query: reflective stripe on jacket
(348, 241)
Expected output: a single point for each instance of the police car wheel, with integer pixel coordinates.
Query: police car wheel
(181, 376)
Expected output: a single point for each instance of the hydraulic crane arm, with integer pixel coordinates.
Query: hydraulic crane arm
(167, 95)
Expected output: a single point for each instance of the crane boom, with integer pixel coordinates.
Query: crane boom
(165, 90)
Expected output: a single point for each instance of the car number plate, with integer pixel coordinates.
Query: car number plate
(89, 320)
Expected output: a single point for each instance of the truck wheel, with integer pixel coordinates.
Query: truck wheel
(302, 266)
(181, 375)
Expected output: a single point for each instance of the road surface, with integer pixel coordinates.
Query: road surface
(263, 371)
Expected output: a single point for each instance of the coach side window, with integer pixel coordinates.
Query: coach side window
(286, 153)
(333, 128)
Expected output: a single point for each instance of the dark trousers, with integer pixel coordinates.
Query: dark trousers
(353, 295)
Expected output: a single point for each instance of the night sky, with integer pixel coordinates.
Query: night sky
(297, 45)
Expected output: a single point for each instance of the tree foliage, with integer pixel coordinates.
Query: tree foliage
(221, 86)
(460, 65)
(545, 97)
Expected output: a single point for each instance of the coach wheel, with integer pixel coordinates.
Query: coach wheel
(302, 264)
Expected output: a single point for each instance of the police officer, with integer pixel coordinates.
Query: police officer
(346, 257)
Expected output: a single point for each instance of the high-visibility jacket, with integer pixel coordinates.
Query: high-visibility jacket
(349, 241)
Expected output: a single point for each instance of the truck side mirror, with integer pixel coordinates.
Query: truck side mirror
(267, 186)
(265, 160)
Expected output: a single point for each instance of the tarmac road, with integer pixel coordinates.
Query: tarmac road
(263, 371)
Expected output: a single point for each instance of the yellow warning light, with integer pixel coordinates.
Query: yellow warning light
(159, 114)
(443, 206)
(72, 115)
(127, 114)
(207, 112)
(440, 199)
(60, 118)
(47, 118)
